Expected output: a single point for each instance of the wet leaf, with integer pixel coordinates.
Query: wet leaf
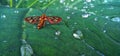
(95, 20)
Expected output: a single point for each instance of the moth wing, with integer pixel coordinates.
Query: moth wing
(54, 19)
(32, 20)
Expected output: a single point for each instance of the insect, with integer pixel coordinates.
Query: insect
(40, 20)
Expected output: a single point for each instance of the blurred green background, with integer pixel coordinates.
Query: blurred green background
(88, 27)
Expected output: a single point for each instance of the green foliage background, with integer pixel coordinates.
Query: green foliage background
(100, 38)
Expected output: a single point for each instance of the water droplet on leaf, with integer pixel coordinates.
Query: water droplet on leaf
(3, 16)
(104, 31)
(78, 34)
(40, 1)
(92, 13)
(72, 13)
(83, 55)
(95, 19)
(62, 1)
(85, 15)
(16, 11)
(111, 8)
(16, 0)
(106, 17)
(85, 7)
(67, 8)
(88, 0)
(68, 17)
(116, 19)
(57, 33)
(26, 49)
(7, 5)
(105, 23)
(75, 8)
(72, 0)
(4, 41)
(105, 1)
(83, 10)
(92, 5)
(75, 23)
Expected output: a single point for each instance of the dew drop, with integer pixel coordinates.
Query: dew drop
(75, 8)
(105, 23)
(7, 6)
(92, 5)
(40, 1)
(3, 16)
(66, 9)
(16, 0)
(105, 1)
(106, 17)
(72, 0)
(111, 8)
(85, 15)
(4, 41)
(16, 11)
(88, 0)
(83, 10)
(85, 7)
(26, 49)
(57, 33)
(62, 1)
(75, 23)
(68, 17)
(92, 13)
(83, 55)
(116, 19)
(72, 13)
(95, 19)
(78, 34)
(104, 31)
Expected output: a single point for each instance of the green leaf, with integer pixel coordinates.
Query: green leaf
(10, 30)
(88, 28)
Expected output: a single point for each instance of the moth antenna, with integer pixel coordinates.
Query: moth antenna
(43, 12)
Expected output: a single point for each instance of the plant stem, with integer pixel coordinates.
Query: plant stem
(32, 4)
(11, 3)
(18, 3)
(49, 4)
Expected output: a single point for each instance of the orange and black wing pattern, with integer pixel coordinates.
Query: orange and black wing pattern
(54, 19)
(32, 20)
(40, 20)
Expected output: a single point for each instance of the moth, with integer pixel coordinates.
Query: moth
(40, 20)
